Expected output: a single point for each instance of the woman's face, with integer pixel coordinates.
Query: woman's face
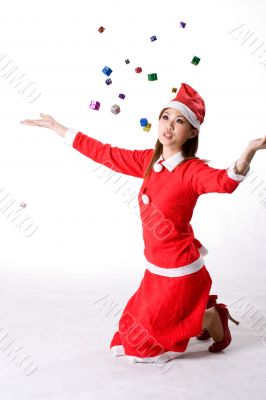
(175, 129)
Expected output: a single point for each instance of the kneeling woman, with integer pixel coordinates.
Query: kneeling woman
(169, 307)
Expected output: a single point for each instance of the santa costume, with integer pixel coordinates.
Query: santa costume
(168, 307)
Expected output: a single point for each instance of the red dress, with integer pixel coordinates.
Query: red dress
(168, 307)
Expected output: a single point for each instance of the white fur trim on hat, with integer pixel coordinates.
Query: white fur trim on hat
(185, 111)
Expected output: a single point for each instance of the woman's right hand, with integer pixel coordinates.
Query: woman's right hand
(47, 121)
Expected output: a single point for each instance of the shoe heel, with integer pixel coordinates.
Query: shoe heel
(232, 319)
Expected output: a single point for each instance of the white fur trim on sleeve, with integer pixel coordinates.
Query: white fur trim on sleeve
(231, 173)
(70, 136)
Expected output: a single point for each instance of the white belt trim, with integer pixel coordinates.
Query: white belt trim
(174, 272)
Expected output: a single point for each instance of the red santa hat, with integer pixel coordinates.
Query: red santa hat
(190, 104)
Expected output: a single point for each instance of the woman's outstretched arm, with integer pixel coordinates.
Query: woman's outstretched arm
(47, 122)
(129, 162)
(205, 179)
(242, 165)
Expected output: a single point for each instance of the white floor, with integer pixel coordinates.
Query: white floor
(65, 325)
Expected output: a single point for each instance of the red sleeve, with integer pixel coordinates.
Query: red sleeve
(206, 179)
(129, 162)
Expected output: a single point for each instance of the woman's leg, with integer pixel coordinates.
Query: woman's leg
(212, 323)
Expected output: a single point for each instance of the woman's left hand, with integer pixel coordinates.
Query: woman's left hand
(258, 144)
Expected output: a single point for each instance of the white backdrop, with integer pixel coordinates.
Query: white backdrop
(83, 225)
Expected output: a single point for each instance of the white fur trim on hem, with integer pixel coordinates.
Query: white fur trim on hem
(118, 350)
(160, 359)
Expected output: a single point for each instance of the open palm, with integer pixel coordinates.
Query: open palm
(258, 144)
(47, 121)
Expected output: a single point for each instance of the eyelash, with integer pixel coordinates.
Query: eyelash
(179, 119)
